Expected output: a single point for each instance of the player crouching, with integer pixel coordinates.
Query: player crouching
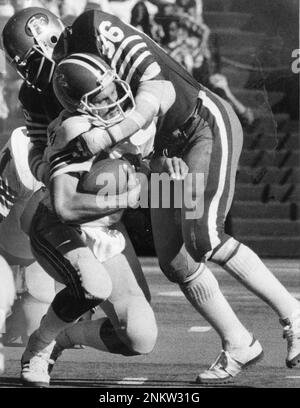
(81, 243)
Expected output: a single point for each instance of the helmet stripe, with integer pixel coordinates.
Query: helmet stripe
(90, 60)
(85, 65)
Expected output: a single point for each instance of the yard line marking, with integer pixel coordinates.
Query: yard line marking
(132, 381)
(293, 377)
(199, 329)
(175, 293)
(149, 269)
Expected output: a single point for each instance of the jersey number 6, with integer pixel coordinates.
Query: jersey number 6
(111, 35)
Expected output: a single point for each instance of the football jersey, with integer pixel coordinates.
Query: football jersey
(39, 110)
(139, 144)
(135, 58)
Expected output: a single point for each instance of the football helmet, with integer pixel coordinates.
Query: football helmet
(29, 38)
(79, 78)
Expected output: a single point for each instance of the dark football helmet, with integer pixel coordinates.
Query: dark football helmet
(29, 38)
(79, 78)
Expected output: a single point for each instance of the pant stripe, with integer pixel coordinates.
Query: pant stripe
(56, 263)
(214, 205)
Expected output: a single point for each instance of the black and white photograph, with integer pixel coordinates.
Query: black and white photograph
(149, 197)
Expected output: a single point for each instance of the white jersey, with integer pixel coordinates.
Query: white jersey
(141, 143)
(100, 235)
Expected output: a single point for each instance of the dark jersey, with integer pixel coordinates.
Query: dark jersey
(135, 58)
(39, 110)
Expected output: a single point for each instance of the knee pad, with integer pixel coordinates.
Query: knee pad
(39, 284)
(96, 286)
(225, 251)
(94, 279)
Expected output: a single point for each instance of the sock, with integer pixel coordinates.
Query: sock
(203, 292)
(50, 326)
(98, 334)
(248, 268)
(85, 333)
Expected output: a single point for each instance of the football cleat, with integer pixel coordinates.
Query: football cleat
(35, 362)
(291, 332)
(225, 368)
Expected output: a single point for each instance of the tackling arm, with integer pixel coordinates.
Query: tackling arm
(153, 98)
(36, 122)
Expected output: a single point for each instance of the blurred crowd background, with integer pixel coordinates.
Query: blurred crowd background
(241, 50)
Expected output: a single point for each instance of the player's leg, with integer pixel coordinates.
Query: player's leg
(62, 253)
(211, 242)
(33, 301)
(130, 327)
(245, 265)
(34, 288)
(17, 183)
(195, 279)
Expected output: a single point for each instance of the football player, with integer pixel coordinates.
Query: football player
(17, 185)
(30, 53)
(204, 131)
(80, 242)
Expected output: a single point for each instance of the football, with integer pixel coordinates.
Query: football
(106, 177)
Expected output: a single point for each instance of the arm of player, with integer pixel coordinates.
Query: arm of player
(37, 131)
(73, 206)
(36, 122)
(175, 167)
(38, 166)
(153, 98)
